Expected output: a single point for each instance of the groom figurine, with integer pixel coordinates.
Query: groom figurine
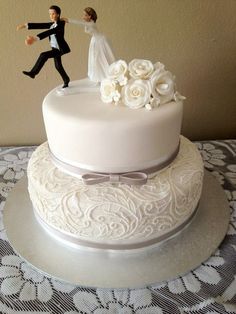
(58, 44)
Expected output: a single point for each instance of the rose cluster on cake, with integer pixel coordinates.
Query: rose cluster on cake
(139, 84)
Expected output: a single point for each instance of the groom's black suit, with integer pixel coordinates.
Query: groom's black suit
(55, 53)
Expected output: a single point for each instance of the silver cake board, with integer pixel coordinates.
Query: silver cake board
(124, 269)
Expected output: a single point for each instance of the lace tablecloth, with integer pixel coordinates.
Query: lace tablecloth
(209, 289)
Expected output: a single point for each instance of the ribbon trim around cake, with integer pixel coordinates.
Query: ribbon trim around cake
(72, 239)
(132, 178)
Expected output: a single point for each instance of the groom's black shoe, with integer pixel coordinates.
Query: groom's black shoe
(30, 74)
(66, 84)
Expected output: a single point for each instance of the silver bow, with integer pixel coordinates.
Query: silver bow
(128, 178)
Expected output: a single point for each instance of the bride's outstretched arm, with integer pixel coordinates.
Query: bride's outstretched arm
(79, 22)
(65, 19)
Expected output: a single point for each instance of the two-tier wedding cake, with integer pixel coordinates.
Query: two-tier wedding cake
(115, 172)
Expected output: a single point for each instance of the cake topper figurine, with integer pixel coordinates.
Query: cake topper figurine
(100, 53)
(58, 44)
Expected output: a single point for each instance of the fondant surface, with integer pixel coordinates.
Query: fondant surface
(85, 132)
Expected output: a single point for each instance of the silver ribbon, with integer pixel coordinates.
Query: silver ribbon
(82, 242)
(136, 177)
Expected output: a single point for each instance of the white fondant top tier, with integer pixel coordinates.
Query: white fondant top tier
(85, 132)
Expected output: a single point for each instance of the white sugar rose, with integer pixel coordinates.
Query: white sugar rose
(117, 71)
(109, 91)
(140, 69)
(163, 86)
(136, 94)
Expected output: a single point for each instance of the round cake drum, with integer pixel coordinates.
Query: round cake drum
(109, 269)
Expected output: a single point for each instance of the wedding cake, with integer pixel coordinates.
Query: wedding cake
(115, 172)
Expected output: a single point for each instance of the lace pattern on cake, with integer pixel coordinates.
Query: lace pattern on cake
(116, 212)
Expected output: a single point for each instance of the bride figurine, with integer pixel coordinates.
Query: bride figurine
(100, 53)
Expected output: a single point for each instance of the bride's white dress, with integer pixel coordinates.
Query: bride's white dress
(100, 53)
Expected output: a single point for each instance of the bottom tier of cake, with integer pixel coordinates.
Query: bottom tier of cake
(116, 215)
